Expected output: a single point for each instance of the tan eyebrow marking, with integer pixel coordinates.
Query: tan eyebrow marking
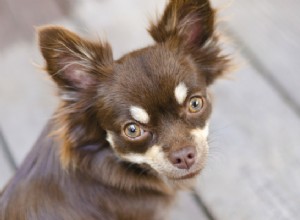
(180, 93)
(139, 114)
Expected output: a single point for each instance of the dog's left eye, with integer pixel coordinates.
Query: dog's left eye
(195, 104)
(132, 130)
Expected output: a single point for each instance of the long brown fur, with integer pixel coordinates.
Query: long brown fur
(79, 167)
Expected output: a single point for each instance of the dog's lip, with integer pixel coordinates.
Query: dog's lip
(188, 176)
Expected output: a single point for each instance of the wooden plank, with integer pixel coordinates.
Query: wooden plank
(253, 171)
(10, 29)
(185, 208)
(27, 98)
(19, 17)
(270, 33)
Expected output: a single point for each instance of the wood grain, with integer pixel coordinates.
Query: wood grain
(268, 33)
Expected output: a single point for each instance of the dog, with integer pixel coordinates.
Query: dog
(128, 134)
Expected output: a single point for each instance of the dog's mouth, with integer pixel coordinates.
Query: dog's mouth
(187, 176)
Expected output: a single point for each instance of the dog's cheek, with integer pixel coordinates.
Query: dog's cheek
(110, 139)
(156, 158)
(149, 157)
(136, 158)
(153, 157)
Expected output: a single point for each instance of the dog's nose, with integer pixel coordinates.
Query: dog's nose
(183, 158)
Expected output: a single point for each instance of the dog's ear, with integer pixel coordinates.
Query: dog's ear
(190, 20)
(78, 67)
(74, 63)
(190, 25)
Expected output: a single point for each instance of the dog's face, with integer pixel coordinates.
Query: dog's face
(152, 105)
(156, 111)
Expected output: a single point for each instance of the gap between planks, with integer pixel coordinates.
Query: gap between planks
(204, 208)
(7, 153)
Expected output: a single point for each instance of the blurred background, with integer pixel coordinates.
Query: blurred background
(254, 168)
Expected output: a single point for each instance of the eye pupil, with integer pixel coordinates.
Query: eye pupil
(132, 129)
(195, 103)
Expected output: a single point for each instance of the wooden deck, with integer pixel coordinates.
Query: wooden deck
(253, 171)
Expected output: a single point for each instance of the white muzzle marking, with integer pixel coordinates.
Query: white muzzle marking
(200, 136)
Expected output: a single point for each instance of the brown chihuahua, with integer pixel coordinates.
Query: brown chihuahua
(128, 134)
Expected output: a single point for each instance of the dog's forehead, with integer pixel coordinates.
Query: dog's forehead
(155, 76)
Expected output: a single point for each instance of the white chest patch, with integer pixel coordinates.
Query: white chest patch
(180, 93)
(139, 114)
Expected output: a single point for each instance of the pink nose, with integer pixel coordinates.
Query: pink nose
(183, 158)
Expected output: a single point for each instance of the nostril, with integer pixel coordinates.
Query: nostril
(190, 156)
(178, 161)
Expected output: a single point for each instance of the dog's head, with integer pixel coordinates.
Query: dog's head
(151, 105)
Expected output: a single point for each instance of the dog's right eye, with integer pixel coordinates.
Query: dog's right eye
(132, 130)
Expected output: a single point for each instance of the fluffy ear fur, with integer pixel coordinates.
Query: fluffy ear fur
(78, 67)
(190, 25)
(74, 63)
